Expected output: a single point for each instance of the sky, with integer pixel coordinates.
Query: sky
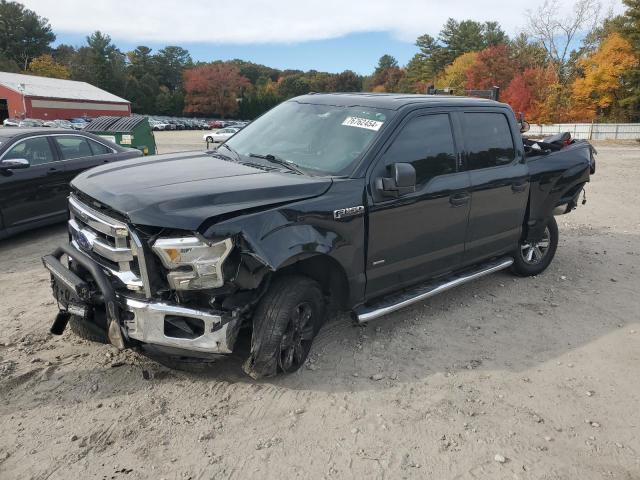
(327, 35)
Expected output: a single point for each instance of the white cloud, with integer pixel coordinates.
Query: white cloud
(270, 21)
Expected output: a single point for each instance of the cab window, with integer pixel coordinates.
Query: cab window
(425, 142)
(488, 140)
(36, 150)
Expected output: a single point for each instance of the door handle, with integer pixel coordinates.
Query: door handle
(459, 199)
(519, 186)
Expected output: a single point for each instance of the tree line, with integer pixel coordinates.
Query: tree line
(548, 73)
(538, 72)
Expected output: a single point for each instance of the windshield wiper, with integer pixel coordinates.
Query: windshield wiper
(231, 150)
(280, 161)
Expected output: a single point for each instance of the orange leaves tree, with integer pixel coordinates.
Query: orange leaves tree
(604, 80)
(214, 88)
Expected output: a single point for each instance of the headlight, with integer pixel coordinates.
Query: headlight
(195, 264)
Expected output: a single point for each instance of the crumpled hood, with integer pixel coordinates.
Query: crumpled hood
(183, 190)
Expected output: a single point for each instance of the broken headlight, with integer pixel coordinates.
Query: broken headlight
(194, 263)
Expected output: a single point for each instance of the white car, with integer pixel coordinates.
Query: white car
(11, 122)
(158, 126)
(220, 135)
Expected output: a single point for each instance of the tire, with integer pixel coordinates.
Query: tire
(210, 139)
(533, 258)
(89, 332)
(285, 322)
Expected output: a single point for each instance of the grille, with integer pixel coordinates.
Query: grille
(111, 243)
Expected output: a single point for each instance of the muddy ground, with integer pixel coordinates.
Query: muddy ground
(505, 377)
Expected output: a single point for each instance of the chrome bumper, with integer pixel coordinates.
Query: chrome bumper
(147, 325)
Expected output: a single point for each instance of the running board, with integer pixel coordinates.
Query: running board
(395, 302)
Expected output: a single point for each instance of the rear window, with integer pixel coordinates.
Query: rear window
(488, 140)
(98, 148)
(73, 147)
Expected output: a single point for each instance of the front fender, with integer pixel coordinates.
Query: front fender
(283, 235)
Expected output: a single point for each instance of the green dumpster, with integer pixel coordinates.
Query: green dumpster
(132, 132)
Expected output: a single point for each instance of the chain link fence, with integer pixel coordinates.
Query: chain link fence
(589, 131)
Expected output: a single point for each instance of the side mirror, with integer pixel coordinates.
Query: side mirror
(524, 125)
(14, 164)
(402, 180)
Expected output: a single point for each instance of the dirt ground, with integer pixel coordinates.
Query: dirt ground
(505, 377)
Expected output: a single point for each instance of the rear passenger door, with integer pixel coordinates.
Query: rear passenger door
(499, 183)
(81, 153)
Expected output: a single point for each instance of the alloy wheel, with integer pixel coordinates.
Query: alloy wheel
(534, 252)
(296, 340)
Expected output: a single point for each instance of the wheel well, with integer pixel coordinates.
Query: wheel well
(327, 272)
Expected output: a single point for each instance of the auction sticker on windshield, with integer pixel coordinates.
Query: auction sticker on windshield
(360, 122)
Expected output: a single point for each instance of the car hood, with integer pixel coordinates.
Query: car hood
(183, 190)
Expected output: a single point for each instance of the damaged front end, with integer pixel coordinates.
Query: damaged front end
(163, 288)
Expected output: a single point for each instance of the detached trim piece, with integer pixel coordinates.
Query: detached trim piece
(408, 297)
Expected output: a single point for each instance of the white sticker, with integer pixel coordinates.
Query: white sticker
(362, 123)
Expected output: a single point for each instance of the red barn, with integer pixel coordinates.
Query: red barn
(28, 96)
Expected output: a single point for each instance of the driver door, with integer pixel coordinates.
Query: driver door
(419, 234)
(35, 193)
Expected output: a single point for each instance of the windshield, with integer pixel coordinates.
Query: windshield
(322, 139)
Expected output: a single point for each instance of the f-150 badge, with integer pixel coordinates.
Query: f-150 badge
(348, 212)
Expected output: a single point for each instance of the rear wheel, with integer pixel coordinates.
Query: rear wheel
(532, 258)
(284, 325)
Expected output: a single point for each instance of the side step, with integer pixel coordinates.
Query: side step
(395, 302)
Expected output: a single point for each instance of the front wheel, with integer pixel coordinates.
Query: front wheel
(284, 324)
(532, 258)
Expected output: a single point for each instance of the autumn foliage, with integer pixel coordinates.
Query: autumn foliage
(494, 66)
(603, 82)
(213, 88)
(530, 92)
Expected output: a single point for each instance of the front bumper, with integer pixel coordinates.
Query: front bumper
(132, 320)
(148, 319)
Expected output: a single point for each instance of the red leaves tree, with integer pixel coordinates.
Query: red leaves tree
(493, 67)
(213, 88)
(529, 92)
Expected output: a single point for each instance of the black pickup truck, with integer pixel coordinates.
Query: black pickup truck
(359, 202)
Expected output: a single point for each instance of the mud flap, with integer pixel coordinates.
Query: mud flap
(60, 322)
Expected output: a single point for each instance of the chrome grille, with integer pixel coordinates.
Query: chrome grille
(111, 243)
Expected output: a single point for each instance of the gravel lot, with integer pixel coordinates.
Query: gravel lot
(502, 378)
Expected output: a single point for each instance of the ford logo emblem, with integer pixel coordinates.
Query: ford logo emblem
(83, 241)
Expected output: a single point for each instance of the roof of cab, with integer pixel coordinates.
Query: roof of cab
(392, 101)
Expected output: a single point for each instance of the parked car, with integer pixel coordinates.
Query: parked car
(58, 124)
(30, 123)
(36, 166)
(157, 125)
(366, 203)
(218, 124)
(78, 123)
(11, 122)
(221, 135)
